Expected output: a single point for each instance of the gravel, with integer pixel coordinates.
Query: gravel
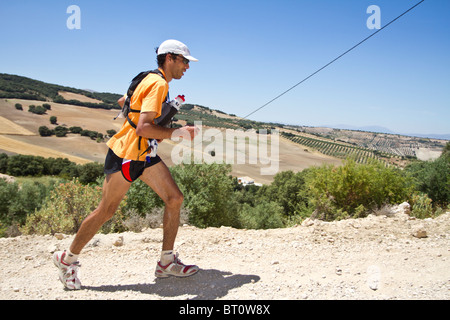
(379, 257)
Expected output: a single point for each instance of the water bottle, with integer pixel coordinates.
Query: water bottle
(169, 110)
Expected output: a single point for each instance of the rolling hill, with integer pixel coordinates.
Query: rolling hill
(299, 146)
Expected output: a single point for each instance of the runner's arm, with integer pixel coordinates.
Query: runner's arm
(147, 129)
(121, 101)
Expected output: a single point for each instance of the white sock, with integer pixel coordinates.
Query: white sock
(166, 257)
(70, 257)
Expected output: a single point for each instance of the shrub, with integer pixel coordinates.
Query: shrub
(350, 190)
(8, 194)
(3, 162)
(433, 178)
(288, 190)
(111, 132)
(25, 165)
(61, 131)
(421, 206)
(37, 109)
(90, 172)
(19, 200)
(265, 215)
(208, 194)
(75, 129)
(44, 131)
(66, 208)
(53, 120)
(142, 199)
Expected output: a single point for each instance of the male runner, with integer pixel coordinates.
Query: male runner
(173, 59)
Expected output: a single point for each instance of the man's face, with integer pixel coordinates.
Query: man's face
(179, 66)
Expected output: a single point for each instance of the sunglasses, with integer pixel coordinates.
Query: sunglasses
(185, 61)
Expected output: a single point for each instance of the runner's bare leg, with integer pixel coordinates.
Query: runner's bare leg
(158, 178)
(114, 189)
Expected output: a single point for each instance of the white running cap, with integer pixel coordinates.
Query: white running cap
(177, 47)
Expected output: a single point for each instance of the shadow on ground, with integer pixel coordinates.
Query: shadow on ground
(207, 284)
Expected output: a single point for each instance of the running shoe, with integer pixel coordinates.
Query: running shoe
(176, 269)
(68, 274)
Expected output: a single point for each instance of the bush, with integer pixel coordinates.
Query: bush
(66, 208)
(349, 191)
(208, 194)
(421, 206)
(265, 215)
(25, 165)
(45, 131)
(288, 190)
(90, 172)
(53, 120)
(111, 132)
(61, 131)
(142, 199)
(89, 133)
(75, 129)
(19, 200)
(29, 197)
(37, 110)
(433, 178)
(8, 193)
(18, 106)
(3, 162)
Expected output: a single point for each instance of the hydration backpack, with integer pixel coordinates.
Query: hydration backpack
(126, 109)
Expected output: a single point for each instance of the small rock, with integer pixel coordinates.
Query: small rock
(405, 208)
(275, 262)
(419, 232)
(119, 241)
(28, 257)
(338, 271)
(52, 248)
(373, 277)
(94, 243)
(307, 222)
(373, 285)
(59, 236)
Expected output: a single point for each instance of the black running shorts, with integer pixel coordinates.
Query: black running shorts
(131, 170)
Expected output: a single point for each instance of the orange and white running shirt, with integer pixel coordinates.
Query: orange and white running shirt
(149, 96)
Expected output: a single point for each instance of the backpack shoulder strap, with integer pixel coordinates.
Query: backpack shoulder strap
(136, 80)
(134, 83)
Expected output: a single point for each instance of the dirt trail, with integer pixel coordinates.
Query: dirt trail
(377, 257)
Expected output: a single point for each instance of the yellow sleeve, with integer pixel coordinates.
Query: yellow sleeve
(153, 100)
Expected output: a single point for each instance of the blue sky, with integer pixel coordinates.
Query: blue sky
(249, 52)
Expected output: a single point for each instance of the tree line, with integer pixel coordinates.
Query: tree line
(213, 198)
(14, 86)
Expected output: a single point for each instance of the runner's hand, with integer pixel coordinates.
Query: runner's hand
(186, 132)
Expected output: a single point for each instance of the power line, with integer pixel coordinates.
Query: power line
(332, 61)
(329, 63)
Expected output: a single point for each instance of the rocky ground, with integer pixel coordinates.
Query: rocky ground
(379, 257)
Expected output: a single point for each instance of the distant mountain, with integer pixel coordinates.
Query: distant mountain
(431, 136)
(381, 129)
(364, 128)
